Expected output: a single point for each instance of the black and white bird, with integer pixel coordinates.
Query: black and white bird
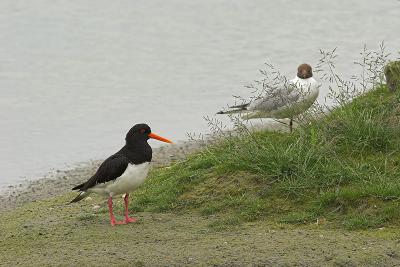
(286, 102)
(122, 172)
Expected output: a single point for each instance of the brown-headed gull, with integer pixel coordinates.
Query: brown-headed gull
(290, 100)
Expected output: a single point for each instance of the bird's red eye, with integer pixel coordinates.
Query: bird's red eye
(142, 131)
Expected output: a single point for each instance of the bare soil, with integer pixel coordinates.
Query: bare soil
(51, 233)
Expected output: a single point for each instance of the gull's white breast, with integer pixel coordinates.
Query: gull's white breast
(133, 177)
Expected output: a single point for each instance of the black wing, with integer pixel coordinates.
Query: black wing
(109, 170)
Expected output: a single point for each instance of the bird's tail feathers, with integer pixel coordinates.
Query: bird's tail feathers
(241, 106)
(78, 187)
(79, 197)
(235, 109)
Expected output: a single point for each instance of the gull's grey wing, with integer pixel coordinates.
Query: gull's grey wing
(277, 99)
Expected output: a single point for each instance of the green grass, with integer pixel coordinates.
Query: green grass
(344, 168)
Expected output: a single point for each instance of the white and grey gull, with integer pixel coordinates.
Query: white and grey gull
(287, 101)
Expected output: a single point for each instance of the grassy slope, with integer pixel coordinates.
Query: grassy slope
(343, 170)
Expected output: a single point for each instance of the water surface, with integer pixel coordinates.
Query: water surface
(76, 75)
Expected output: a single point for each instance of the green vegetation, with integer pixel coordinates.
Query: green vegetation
(342, 170)
(392, 73)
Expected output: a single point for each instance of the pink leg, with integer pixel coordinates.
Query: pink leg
(112, 218)
(127, 218)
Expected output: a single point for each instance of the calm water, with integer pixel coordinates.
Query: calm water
(76, 75)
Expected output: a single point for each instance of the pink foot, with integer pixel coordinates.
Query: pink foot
(113, 223)
(127, 218)
(130, 220)
(126, 221)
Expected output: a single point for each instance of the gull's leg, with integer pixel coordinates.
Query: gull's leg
(280, 122)
(127, 218)
(290, 123)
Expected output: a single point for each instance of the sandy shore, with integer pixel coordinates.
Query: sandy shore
(61, 181)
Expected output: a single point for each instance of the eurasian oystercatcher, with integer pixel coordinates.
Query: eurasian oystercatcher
(124, 171)
(285, 102)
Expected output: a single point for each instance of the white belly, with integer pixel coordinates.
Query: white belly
(133, 177)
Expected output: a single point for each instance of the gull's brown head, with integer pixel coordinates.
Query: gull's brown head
(304, 71)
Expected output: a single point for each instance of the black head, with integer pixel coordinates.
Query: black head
(141, 133)
(304, 71)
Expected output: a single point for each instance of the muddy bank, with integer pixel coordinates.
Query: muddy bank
(61, 181)
(32, 237)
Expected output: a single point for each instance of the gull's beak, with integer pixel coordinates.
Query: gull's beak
(155, 136)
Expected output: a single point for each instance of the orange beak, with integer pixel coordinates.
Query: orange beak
(154, 136)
